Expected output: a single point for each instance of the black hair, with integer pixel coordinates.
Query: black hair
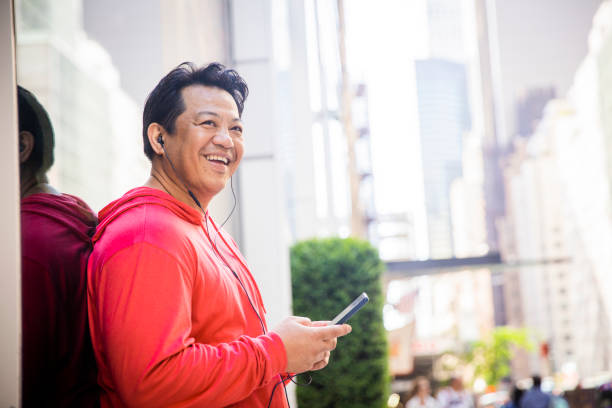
(165, 103)
(33, 118)
(537, 380)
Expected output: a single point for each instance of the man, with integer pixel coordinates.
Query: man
(176, 316)
(455, 396)
(58, 366)
(535, 398)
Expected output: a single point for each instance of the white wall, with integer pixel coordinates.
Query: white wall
(10, 261)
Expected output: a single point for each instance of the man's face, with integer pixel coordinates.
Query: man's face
(423, 386)
(208, 141)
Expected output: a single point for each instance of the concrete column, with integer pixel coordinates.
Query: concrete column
(302, 119)
(265, 234)
(262, 201)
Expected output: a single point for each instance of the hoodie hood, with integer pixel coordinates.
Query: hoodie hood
(145, 196)
(65, 209)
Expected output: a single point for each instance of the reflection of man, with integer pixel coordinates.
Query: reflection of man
(535, 397)
(58, 364)
(176, 316)
(455, 396)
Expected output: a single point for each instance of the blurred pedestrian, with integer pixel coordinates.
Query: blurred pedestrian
(58, 365)
(604, 396)
(455, 396)
(558, 401)
(421, 395)
(515, 398)
(535, 397)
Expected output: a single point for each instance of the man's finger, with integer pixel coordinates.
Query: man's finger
(323, 362)
(332, 343)
(321, 323)
(321, 356)
(319, 365)
(304, 321)
(333, 331)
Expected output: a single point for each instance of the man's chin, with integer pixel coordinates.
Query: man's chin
(218, 187)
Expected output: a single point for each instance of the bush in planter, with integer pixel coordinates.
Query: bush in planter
(327, 275)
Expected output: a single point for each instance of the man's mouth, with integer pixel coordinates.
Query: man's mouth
(218, 159)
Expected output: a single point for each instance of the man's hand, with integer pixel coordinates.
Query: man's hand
(307, 343)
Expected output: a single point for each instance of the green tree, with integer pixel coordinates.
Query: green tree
(327, 274)
(491, 356)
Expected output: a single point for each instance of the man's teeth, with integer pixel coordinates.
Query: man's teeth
(217, 158)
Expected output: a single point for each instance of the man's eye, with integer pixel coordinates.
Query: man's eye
(237, 129)
(208, 123)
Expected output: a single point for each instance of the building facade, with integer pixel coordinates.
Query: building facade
(98, 154)
(558, 226)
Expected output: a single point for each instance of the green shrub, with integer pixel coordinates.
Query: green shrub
(328, 274)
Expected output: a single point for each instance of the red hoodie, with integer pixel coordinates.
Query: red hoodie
(171, 326)
(58, 363)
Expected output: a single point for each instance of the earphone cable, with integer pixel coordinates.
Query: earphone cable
(231, 212)
(222, 259)
(235, 202)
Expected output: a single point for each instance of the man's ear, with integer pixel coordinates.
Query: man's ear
(26, 145)
(154, 131)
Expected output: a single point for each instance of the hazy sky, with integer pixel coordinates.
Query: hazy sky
(383, 40)
(541, 43)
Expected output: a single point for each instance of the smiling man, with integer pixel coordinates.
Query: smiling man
(175, 314)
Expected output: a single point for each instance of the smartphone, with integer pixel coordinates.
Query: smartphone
(351, 309)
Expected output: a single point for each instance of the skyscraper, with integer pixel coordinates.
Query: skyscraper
(444, 116)
(530, 108)
(491, 106)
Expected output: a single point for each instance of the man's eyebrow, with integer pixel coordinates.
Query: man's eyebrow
(236, 119)
(207, 113)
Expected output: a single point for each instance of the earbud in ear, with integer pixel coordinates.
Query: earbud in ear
(160, 140)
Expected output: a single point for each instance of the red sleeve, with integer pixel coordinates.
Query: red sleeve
(140, 304)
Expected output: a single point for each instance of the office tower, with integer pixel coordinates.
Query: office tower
(444, 117)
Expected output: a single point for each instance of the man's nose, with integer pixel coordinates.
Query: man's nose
(223, 138)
